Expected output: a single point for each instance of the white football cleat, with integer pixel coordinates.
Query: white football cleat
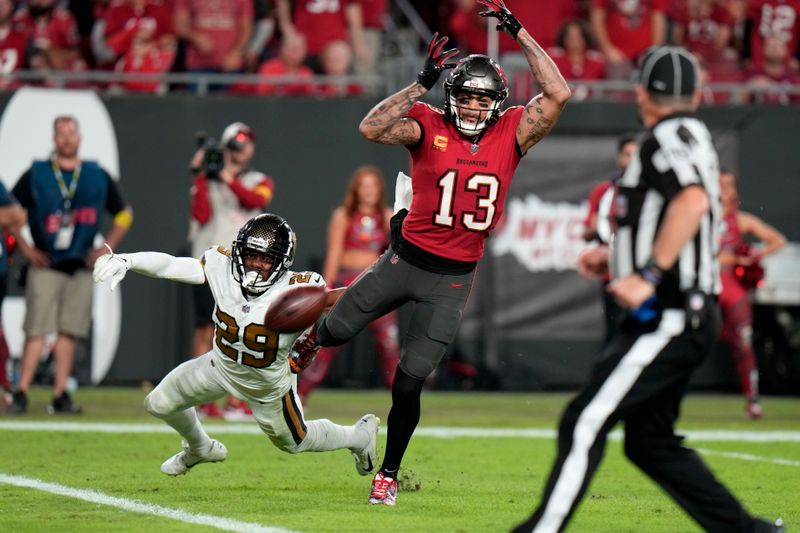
(181, 462)
(367, 457)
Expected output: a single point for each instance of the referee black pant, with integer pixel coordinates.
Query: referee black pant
(640, 380)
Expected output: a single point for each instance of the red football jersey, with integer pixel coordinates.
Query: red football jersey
(773, 18)
(459, 187)
(321, 22)
(12, 50)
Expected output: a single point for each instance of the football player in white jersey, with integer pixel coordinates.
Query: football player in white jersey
(247, 360)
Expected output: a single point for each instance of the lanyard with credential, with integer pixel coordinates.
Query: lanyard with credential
(66, 194)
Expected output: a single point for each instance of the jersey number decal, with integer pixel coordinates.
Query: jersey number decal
(257, 338)
(489, 187)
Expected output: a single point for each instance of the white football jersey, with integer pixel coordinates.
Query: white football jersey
(253, 358)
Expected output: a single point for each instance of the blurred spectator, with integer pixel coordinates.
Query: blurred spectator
(575, 58)
(737, 256)
(138, 35)
(779, 19)
(52, 34)
(705, 27)
(288, 63)
(323, 22)
(774, 72)
(542, 19)
(65, 197)
(217, 33)
(223, 199)
(335, 61)
(467, 28)
(373, 15)
(598, 229)
(626, 28)
(358, 233)
(263, 30)
(12, 45)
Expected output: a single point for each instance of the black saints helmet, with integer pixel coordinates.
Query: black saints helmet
(266, 234)
(477, 74)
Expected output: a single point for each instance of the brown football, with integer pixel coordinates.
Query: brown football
(296, 309)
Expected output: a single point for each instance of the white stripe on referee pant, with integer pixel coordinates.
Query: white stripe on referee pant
(595, 415)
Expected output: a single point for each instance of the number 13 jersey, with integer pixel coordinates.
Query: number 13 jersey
(459, 186)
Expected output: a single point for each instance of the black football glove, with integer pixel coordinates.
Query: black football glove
(436, 62)
(508, 22)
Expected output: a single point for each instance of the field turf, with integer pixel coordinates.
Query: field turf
(479, 480)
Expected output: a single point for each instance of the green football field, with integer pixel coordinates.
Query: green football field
(479, 461)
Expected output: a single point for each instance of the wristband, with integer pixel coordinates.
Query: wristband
(651, 272)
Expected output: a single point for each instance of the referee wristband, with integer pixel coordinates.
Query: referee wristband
(651, 272)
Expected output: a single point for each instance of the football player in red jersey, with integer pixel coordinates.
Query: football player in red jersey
(464, 157)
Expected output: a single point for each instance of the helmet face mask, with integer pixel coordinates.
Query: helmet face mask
(270, 238)
(476, 75)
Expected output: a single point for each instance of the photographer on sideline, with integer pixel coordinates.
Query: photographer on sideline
(226, 194)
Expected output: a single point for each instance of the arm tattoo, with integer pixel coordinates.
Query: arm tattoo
(543, 69)
(384, 120)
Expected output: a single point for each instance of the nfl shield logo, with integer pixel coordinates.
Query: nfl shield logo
(245, 308)
(473, 149)
(394, 259)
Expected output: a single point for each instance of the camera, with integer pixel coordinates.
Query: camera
(214, 158)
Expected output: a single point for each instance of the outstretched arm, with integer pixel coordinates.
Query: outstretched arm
(543, 110)
(154, 264)
(385, 123)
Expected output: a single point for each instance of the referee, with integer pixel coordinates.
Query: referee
(665, 273)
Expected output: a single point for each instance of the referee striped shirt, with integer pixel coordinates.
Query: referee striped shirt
(676, 153)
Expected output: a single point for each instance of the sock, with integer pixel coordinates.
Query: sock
(323, 436)
(403, 418)
(188, 426)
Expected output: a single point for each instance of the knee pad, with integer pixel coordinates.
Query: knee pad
(156, 404)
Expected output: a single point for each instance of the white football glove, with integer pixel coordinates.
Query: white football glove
(111, 267)
(402, 192)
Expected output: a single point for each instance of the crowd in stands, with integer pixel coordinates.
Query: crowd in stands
(737, 41)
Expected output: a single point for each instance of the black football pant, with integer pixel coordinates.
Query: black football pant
(640, 380)
(439, 300)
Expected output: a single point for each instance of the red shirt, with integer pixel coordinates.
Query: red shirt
(628, 23)
(59, 30)
(276, 67)
(321, 22)
(12, 50)
(459, 195)
(773, 18)
(373, 12)
(541, 19)
(220, 20)
(594, 199)
(123, 23)
(592, 68)
(148, 60)
(785, 80)
(701, 32)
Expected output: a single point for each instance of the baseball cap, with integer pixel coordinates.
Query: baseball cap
(669, 71)
(237, 133)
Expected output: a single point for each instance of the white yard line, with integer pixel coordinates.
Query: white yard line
(749, 457)
(93, 496)
(710, 435)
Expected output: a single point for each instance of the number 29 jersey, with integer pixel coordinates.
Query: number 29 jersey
(251, 357)
(459, 186)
